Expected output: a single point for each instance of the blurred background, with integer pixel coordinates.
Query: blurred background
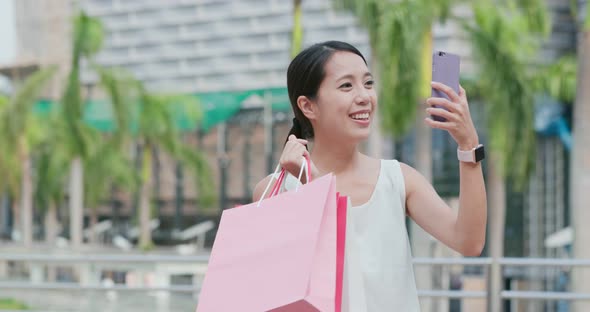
(128, 126)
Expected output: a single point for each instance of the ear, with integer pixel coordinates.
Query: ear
(307, 107)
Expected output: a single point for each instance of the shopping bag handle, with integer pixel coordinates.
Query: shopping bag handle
(305, 166)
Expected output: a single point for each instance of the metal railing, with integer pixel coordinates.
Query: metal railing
(164, 266)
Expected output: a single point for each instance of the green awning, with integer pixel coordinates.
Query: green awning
(217, 107)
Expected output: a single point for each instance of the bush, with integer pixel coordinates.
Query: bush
(11, 304)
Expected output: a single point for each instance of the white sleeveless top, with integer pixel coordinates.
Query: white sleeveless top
(379, 276)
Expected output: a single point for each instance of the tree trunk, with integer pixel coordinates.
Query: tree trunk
(179, 195)
(92, 237)
(145, 233)
(5, 216)
(497, 212)
(16, 221)
(27, 198)
(51, 232)
(297, 33)
(76, 202)
(51, 224)
(580, 171)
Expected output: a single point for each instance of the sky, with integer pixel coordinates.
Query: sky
(7, 31)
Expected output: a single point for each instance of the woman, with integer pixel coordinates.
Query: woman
(333, 98)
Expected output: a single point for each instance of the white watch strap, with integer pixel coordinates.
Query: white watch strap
(466, 156)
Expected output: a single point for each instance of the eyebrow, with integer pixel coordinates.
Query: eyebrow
(352, 76)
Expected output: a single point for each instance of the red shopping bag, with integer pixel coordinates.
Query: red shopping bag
(340, 247)
(285, 253)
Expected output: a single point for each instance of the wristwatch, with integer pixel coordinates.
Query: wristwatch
(474, 155)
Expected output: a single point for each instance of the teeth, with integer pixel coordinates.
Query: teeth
(360, 116)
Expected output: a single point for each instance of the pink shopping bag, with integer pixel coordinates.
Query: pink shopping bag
(286, 254)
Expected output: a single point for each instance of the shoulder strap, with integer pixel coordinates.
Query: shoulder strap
(394, 173)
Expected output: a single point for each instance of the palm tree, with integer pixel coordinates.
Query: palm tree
(17, 138)
(503, 40)
(157, 129)
(496, 40)
(87, 41)
(580, 156)
(8, 161)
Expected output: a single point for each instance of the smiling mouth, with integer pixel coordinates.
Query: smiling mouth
(360, 116)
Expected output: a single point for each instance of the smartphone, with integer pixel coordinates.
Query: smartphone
(445, 69)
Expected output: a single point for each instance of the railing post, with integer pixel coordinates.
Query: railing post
(494, 282)
(3, 269)
(88, 274)
(36, 272)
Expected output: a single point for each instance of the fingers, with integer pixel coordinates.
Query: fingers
(293, 154)
(462, 111)
(462, 93)
(440, 112)
(442, 102)
(447, 90)
(292, 137)
(443, 125)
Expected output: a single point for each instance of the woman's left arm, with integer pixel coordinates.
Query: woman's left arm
(465, 230)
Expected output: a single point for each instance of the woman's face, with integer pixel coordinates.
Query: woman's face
(346, 99)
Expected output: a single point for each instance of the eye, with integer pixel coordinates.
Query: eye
(346, 85)
(370, 83)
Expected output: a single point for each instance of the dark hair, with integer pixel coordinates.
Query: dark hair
(304, 76)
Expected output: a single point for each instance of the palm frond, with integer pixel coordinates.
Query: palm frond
(88, 38)
(536, 15)
(21, 104)
(106, 167)
(88, 35)
(10, 170)
(158, 128)
(397, 30)
(401, 36)
(368, 12)
(558, 79)
(120, 88)
(16, 128)
(509, 90)
(157, 114)
(441, 8)
(72, 109)
(52, 167)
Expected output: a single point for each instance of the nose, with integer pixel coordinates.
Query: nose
(362, 97)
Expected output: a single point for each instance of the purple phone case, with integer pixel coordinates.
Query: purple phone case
(445, 69)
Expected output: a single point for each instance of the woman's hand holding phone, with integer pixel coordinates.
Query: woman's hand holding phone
(448, 102)
(455, 111)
